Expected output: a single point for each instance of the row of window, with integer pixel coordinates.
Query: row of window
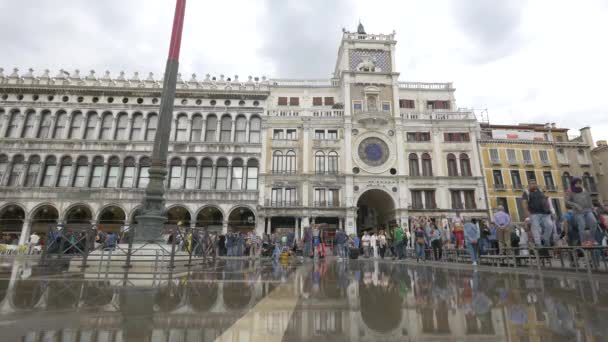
(107, 127)
(128, 174)
(521, 214)
(292, 134)
(323, 197)
(516, 181)
(295, 101)
(460, 199)
(410, 104)
(526, 156)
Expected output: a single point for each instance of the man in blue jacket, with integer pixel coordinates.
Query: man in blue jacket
(471, 238)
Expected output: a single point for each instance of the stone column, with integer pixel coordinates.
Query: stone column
(218, 129)
(189, 130)
(229, 177)
(52, 126)
(67, 128)
(232, 130)
(121, 173)
(21, 124)
(306, 148)
(25, 232)
(213, 174)
(114, 126)
(204, 129)
(297, 227)
(260, 224)
(197, 182)
(305, 222)
(144, 128)
(269, 225)
(129, 127)
(4, 124)
(247, 129)
(73, 172)
(225, 227)
(36, 128)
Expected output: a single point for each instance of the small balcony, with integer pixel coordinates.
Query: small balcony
(518, 187)
(495, 161)
(326, 204)
(283, 204)
(528, 162)
(513, 162)
(374, 117)
(551, 188)
(500, 187)
(545, 162)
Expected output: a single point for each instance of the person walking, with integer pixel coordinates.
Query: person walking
(503, 230)
(341, 239)
(398, 244)
(373, 240)
(471, 237)
(34, 241)
(381, 244)
(436, 243)
(538, 208)
(365, 240)
(458, 231)
(580, 201)
(254, 249)
(420, 241)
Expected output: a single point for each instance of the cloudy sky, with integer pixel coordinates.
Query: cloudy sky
(525, 61)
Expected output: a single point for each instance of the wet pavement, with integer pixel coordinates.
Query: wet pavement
(242, 300)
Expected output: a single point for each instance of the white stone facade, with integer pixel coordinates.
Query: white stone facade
(271, 153)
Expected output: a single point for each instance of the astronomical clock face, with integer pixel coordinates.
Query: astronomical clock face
(373, 151)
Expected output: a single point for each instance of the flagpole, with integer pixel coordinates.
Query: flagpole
(153, 216)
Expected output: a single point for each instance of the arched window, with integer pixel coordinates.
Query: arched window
(290, 162)
(197, 128)
(589, 182)
(191, 173)
(277, 162)
(241, 129)
(50, 167)
(113, 172)
(121, 126)
(82, 169)
(143, 177)
(45, 125)
(427, 165)
(106, 126)
(206, 174)
(33, 170)
(414, 167)
(152, 125)
(237, 174)
(175, 174)
(128, 173)
(566, 180)
(3, 166)
(452, 165)
(64, 172)
(252, 174)
(465, 165)
(181, 128)
(76, 126)
(96, 173)
(255, 126)
(211, 128)
(28, 128)
(137, 127)
(319, 162)
(221, 177)
(92, 121)
(332, 162)
(14, 178)
(226, 128)
(13, 124)
(60, 123)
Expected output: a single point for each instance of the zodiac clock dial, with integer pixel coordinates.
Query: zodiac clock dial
(373, 151)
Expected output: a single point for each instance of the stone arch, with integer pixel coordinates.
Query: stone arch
(27, 294)
(42, 217)
(78, 214)
(134, 213)
(11, 219)
(210, 217)
(242, 218)
(375, 209)
(178, 215)
(111, 218)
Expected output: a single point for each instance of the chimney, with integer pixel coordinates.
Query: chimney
(586, 135)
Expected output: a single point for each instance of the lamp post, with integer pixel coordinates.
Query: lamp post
(154, 216)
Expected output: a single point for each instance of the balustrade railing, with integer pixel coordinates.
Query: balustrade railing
(425, 85)
(437, 115)
(320, 113)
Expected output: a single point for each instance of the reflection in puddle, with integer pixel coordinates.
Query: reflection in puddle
(337, 301)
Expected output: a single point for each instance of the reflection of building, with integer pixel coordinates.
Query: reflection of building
(358, 150)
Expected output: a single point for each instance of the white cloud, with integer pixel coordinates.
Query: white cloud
(523, 60)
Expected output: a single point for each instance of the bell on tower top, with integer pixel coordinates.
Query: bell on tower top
(361, 29)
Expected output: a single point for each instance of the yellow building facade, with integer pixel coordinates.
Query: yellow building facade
(512, 156)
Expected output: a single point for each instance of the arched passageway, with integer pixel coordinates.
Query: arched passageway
(11, 223)
(241, 219)
(210, 218)
(44, 218)
(78, 216)
(111, 219)
(178, 216)
(375, 210)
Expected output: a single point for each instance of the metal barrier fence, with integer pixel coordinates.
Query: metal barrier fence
(188, 245)
(571, 258)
